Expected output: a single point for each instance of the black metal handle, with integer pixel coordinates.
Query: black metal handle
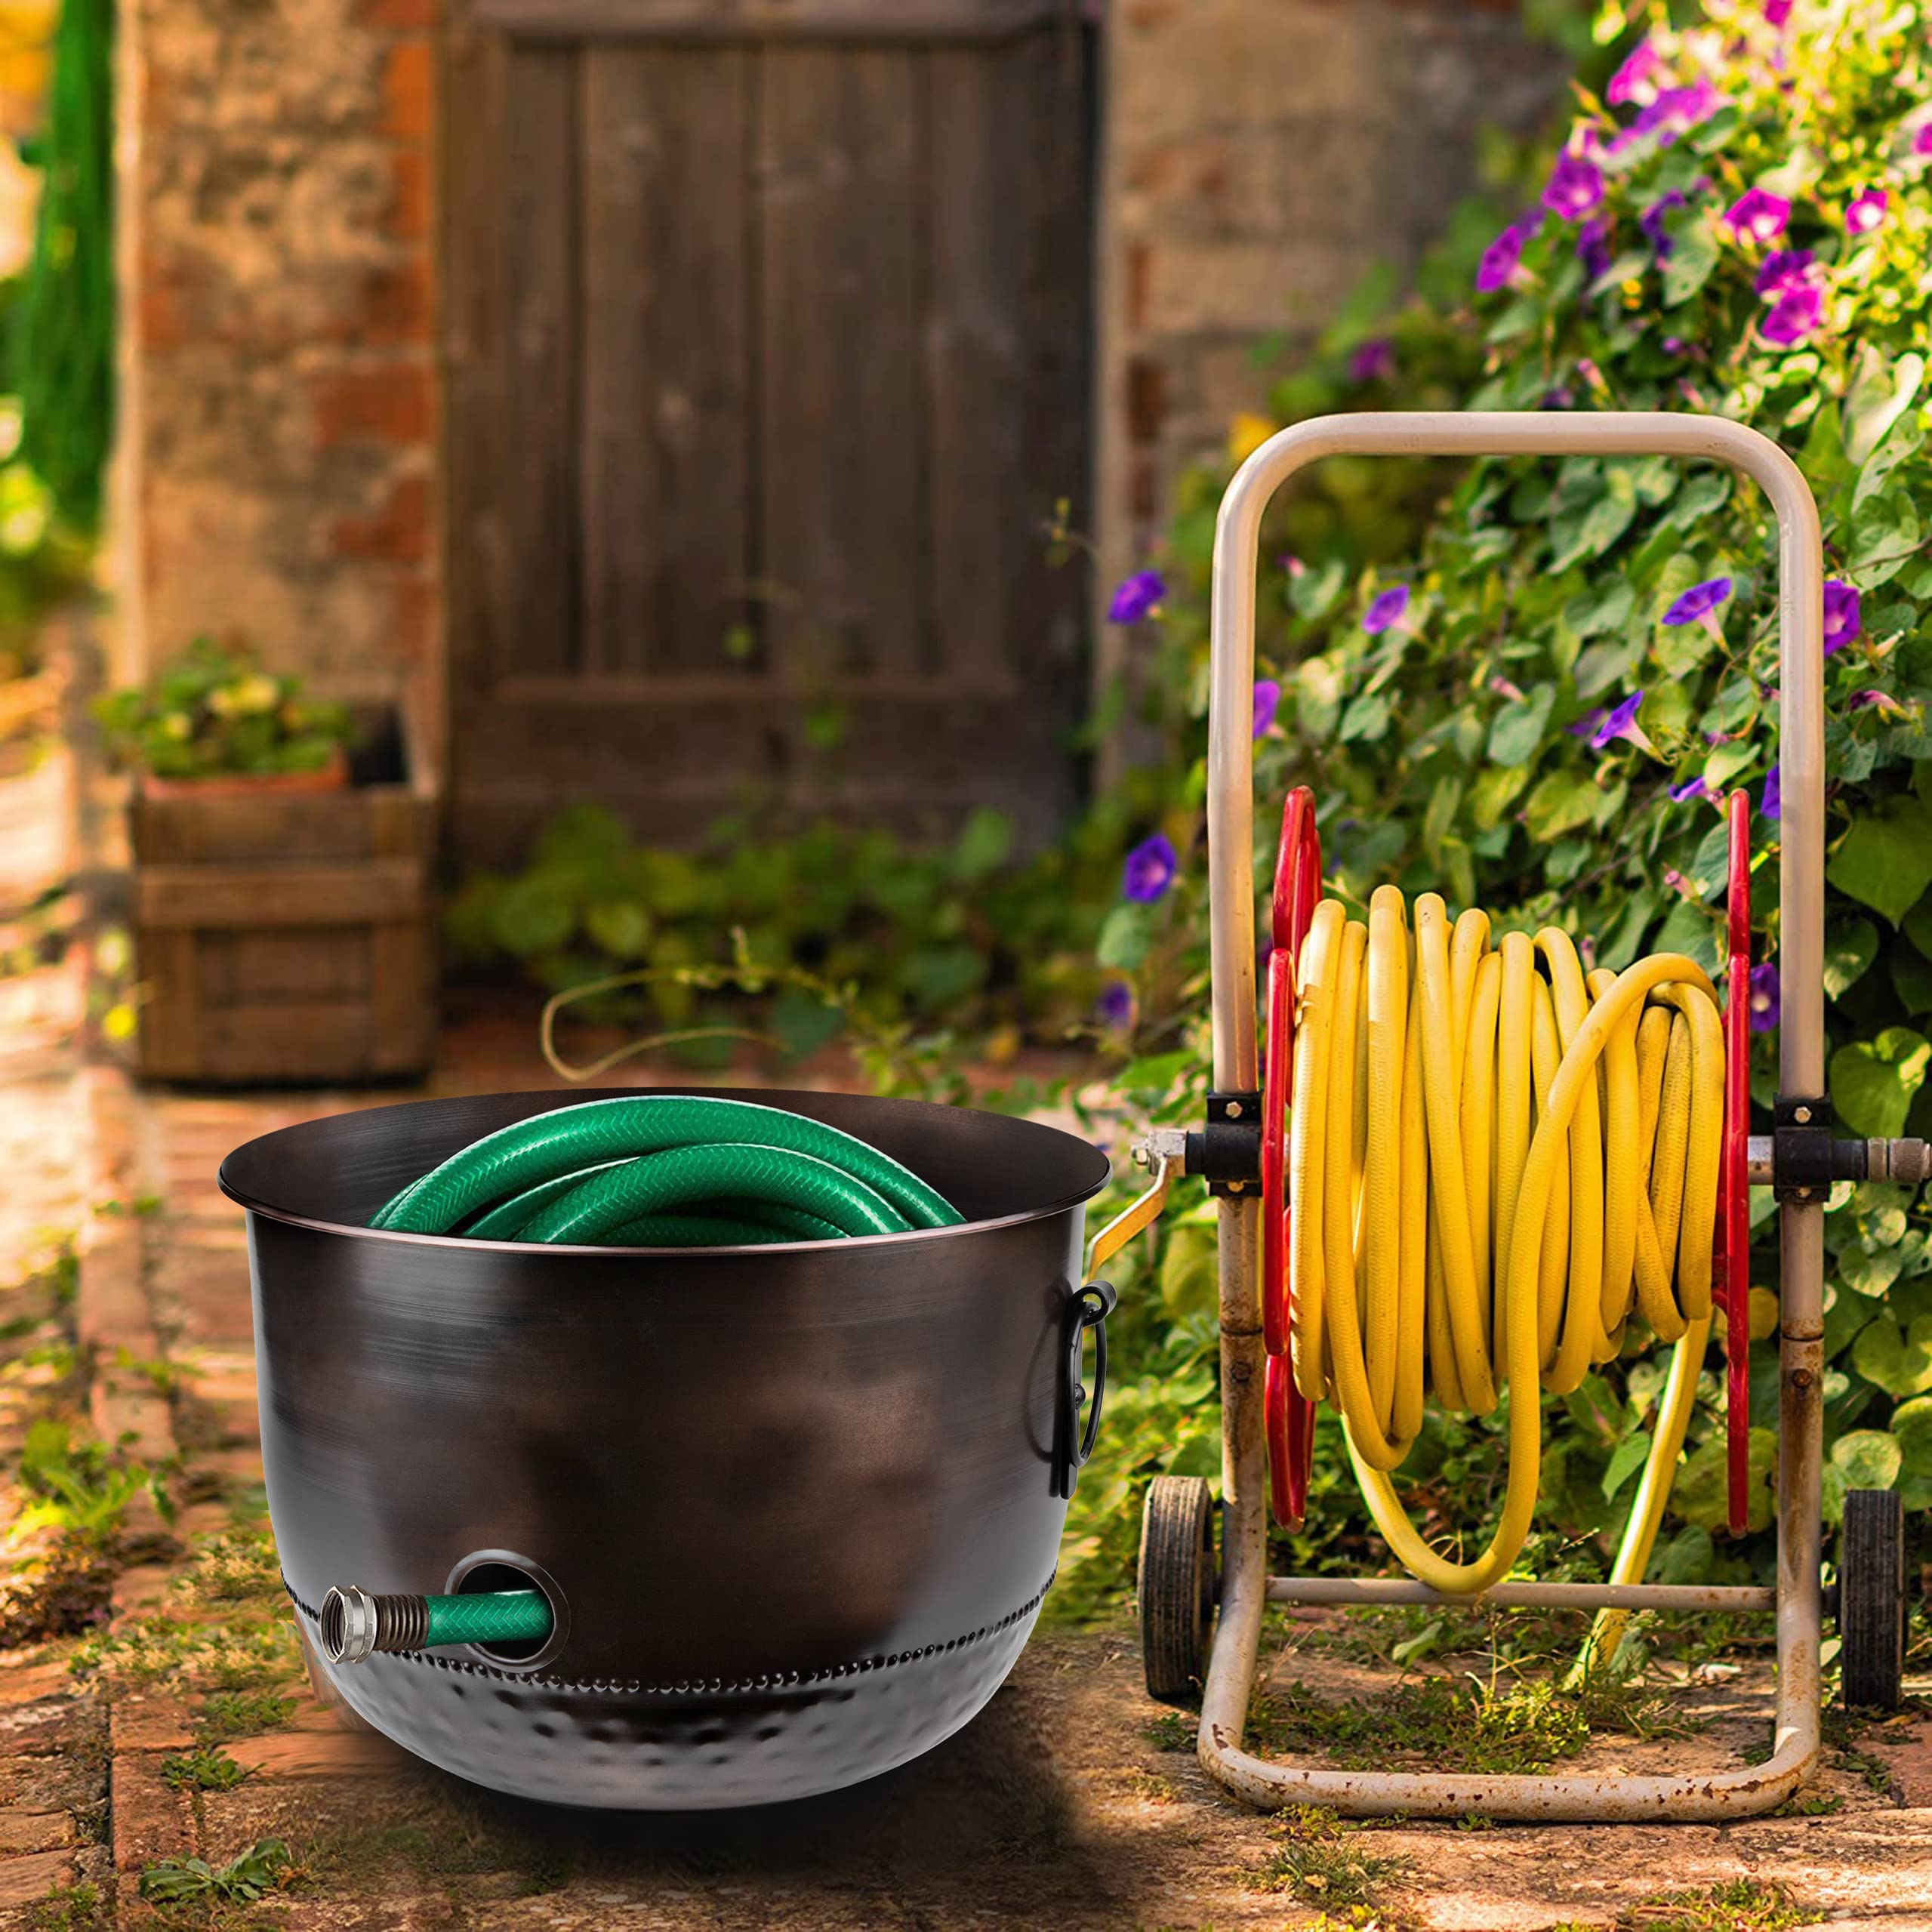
(1074, 1446)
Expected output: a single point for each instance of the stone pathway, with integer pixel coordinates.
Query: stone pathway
(187, 1729)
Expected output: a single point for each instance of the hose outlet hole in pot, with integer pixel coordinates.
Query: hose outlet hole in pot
(486, 1571)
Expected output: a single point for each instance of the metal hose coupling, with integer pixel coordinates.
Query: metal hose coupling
(356, 1624)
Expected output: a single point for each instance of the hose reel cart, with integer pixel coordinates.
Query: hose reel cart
(1643, 1190)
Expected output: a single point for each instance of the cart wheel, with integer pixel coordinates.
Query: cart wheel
(1871, 1598)
(1177, 1586)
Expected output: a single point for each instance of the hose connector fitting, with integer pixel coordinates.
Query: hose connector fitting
(356, 1625)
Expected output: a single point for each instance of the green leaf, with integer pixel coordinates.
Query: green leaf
(1879, 395)
(1707, 491)
(1850, 948)
(1625, 1460)
(801, 1022)
(622, 929)
(1873, 1080)
(1911, 979)
(1885, 860)
(1518, 728)
(1899, 1362)
(1868, 1459)
(1693, 257)
(534, 915)
(1126, 936)
(1367, 719)
(984, 841)
(1591, 532)
(1559, 804)
(1702, 1490)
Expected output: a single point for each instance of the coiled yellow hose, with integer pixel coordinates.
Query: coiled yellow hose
(1490, 1169)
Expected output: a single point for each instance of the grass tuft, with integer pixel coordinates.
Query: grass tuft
(1321, 1860)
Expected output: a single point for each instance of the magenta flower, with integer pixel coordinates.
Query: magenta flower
(1794, 316)
(1576, 187)
(1757, 215)
(1268, 701)
(1636, 80)
(1620, 722)
(1500, 259)
(1116, 1003)
(1763, 1000)
(1677, 110)
(1386, 611)
(1374, 359)
(1593, 247)
(1150, 869)
(1137, 596)
(1864, 212)
(1699, 603)
(1921, 142)
(1691, 788)
(1841, 615)
(1293, 564)
(1770, 801)
(1777, 13)
(1785, 269)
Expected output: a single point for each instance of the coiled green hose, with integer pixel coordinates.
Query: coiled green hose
(658, 1171)
(671, 1171)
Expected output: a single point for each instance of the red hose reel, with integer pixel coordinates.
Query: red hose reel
(1289, 1414)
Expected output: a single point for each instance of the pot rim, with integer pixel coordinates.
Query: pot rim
(253, 1205)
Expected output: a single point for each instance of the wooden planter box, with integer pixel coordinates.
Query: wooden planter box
(290, 936)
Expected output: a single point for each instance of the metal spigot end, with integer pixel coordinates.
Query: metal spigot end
(348, 1625)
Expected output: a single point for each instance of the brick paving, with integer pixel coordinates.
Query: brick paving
(1054, 1807)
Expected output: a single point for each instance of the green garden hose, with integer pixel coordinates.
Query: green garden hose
(666, 1171)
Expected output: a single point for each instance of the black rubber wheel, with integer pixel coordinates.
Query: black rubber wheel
(1177, 1585)
(1871, 1599)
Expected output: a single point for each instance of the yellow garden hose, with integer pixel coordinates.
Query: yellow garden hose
(1490, 1169)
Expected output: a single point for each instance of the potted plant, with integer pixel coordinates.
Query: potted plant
(282, 848)
(215, 720)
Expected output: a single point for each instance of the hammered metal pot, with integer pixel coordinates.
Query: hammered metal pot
(797, 1507)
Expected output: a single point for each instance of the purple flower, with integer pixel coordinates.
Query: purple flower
(1770, 802)
(1794, 316)
(1841, 615)
(1777, 13)
(1558, 398)
(1268, 701)
(1150, 869)
(1586, 726)
(1116, 1003)
(1374, 359)
(1593, 248)
(1386, 611)
(1676, 110)
(1785, 269)
(1620, 722)
(1576, 187)
(1921, 142)
(1500, 258)
(1652, 223)
(1691, 788)
(1137, 596)
(1757, 215)
(1637, 79)
(1864, 212)
(1763, 1000)
(1881, 700)
(1697, 603)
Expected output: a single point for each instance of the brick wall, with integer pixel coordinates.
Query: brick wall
(278, 446)
(1260, 156)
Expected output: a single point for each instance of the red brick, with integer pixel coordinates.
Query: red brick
(374, 405)
(34, 1831)
(150, 1821)
(408, 90)
(25, 1880)
(409, 217)
(413, 626)
(153, 1723)
(397, 533)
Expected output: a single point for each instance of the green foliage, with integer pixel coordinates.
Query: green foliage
(214, 711)
(1453, 752)
(1323, 1861)
(66, 348)
(79, 1485)
(247, 1877)
(202, 1767)
(971, 931)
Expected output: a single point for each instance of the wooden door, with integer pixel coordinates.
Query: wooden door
(767, 328)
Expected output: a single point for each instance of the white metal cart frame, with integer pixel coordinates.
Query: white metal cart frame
(1246, 1586)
